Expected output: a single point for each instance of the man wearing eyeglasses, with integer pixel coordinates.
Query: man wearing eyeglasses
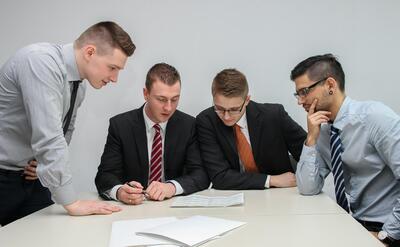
(152, 151)
(359, 142)
(244, 144)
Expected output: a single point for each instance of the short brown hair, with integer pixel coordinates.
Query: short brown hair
(106, 35)
(230, 83)
(164, 73)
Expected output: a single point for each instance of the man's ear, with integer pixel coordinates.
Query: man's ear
(332, 84)
(247, 99)
(89, 51)
(145, 94)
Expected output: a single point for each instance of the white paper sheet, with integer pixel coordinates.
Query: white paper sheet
(208, 201)
(193, 231)
(123, 232)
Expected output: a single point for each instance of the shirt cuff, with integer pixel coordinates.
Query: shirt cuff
(267, 181)
(113, 192)
(178, 187)
(63, 195)
(309, 154)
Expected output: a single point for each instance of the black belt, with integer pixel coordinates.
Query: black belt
(11, 172)
(371, 225)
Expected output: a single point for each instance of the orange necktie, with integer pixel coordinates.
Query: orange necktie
(244, 149)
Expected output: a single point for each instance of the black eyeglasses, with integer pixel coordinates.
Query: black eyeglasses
(303, 92)
(232, 111)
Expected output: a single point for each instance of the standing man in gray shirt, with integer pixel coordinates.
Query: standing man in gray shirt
(358, 141)
(40, 90)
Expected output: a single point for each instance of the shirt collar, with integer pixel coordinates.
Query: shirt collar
(243, 121)
(149, 123)
(343, 112)
(70, 62)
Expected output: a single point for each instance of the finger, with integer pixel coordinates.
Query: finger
(317, 117)
(109, 207)
(30, 168)
(30, 178)
(312, 107)
(158, 195)
(161, 196)
(321, 113)
(135, 184)
(138, 200)
(32, 163)
(151, 189)
(29, 173)
(320, 121)
(130, 190)
(103, 211)
(114, 208)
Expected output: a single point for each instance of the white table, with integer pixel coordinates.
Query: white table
(275, 217)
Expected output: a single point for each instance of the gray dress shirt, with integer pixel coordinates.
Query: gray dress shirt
(34, 99)
(370, 134)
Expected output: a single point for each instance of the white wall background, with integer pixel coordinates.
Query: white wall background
(264, 39)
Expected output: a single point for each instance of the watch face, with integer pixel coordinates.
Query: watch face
(382, 235)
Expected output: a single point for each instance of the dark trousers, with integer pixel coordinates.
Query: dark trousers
(376, 227)
(371, 225)
(20, 197)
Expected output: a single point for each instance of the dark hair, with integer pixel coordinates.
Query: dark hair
(106, 35)
(230, 83)
(164, 73)
(319, 67)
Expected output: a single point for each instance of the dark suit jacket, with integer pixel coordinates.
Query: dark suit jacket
(272, 135)
(125, 156)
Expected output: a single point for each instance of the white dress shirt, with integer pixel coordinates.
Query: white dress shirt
(242, 123)
(150, 132)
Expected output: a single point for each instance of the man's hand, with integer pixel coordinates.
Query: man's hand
(131, 193)
(314, 121)
(159, 191)
(287, 179)
(79, 207)
(30, 170)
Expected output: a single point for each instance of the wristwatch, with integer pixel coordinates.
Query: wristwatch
(384, 238)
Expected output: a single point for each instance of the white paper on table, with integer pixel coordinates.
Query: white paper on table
(192, 231)
(123, 232)
(208, 201)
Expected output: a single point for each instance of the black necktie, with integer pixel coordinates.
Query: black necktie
(68, 117)
(337, 169)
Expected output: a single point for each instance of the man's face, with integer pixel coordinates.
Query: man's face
(102, 69)
(162, 100)
(318, 91)
(230, 109)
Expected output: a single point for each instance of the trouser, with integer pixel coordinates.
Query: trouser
(20, 197)
(376, 227)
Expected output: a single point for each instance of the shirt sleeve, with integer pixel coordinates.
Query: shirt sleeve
(385, 137)
(311, 171)
(178, 187)
(41, 85)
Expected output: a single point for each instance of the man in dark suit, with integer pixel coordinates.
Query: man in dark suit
(153, 148)
(244, 144)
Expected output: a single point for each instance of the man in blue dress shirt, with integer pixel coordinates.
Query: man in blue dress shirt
(358, 141)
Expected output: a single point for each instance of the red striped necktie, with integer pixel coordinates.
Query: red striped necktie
(156, 156)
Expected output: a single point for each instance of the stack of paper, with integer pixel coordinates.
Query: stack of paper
(169, 231)
(208, 201)
(123, 232)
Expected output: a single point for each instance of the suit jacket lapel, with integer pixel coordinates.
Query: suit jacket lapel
(139, 129)
(254, 126)
(171, 141)
(227, 133)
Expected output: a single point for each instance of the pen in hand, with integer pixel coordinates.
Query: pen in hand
(135, 187)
